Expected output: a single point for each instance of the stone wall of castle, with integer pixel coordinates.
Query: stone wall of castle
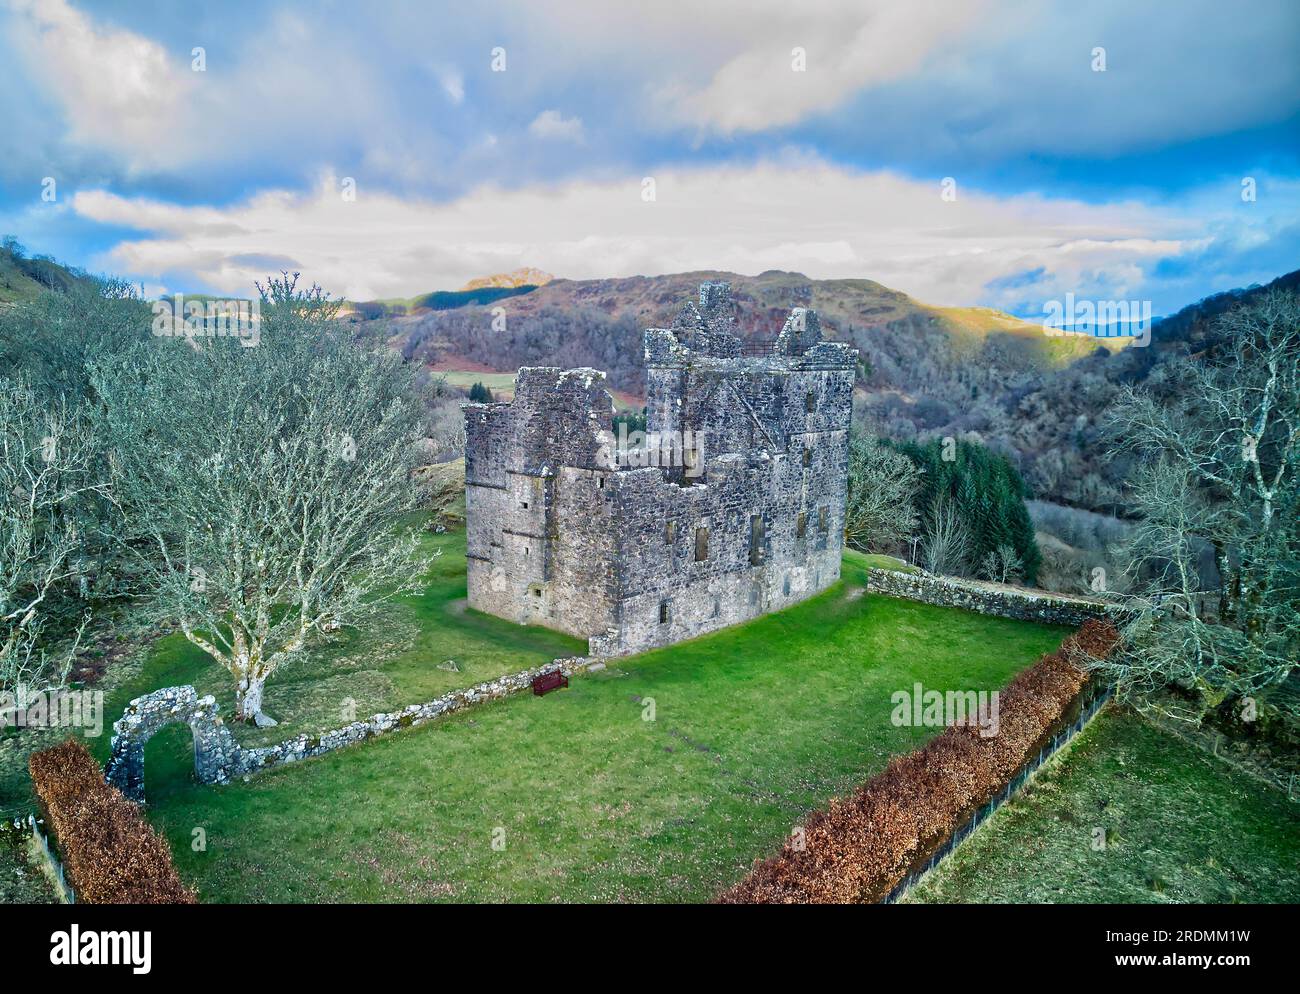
(521, 463)
(563, 533)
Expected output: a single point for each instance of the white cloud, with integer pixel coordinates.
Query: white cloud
(119, 90)
(453, 84)
(553, 124)
(844, 47)
(802, 215)
(140, 106)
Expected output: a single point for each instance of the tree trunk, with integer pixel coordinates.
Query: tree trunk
(248, 702)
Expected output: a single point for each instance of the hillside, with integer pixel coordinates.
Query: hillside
(523, 276)
(24, 278)
(599, 323)
(926, 371)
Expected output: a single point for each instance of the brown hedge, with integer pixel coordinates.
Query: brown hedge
(861, 846)
(111, 854)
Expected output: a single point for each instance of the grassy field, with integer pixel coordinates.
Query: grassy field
(585, 798)
(394, 662)
(1179, 827)
(502, 385)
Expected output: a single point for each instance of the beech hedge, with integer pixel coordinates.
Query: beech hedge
(860, 847)
(110, 853)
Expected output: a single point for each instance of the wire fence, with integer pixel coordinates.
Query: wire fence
(1086, 714)
(52, 859)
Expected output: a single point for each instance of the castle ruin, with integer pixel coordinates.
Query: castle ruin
(734, 506)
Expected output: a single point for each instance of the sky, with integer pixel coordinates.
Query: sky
(987, 152)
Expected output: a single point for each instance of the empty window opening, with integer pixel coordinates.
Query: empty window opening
(755, 540)
(807, 458)
(785, 587)
(810, 402)
(670, 532)
(701, 544)
(525, 505)
(663, 612)
(801, 525)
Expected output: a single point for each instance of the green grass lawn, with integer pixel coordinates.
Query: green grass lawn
(392, 663)
(1180, 826)
(502, 385)
(753, 727)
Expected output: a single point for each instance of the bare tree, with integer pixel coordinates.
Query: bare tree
(1002, 565)
(46, 470)
(267, 486)
(882, 485)
(947, 544)
(1217, 467)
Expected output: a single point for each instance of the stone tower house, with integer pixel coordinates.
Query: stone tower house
(733, 508)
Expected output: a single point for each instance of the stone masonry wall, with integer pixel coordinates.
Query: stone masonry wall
(992, 598)
(219, 758)
(215, 749)
(519, 458)
(561, 534)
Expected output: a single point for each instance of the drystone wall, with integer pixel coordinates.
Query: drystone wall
(218, 758)
(992, 598)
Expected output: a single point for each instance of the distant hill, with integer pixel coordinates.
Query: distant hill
(23, 277)
(926, 371)
(525, 276)
(438, 300)
(599, 323)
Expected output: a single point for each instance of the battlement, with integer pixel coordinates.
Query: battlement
(704, 336)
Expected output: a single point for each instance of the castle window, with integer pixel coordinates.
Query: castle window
(807, 457)
(701, 544)
(786, 585)
(756, 540)
(801, 525)
(663, 612)
(822, 518)
(525, 505)
(810, 402)
(670, 532)
(600, 482)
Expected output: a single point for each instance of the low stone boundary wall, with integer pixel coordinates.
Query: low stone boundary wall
(992, 598)
(218, 758)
